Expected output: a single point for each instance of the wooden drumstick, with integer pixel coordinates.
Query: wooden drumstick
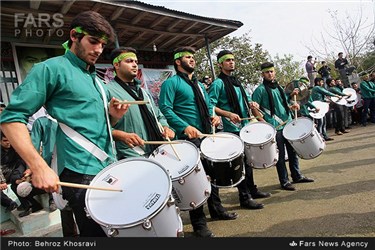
(295, 111)
(213, 127)
(250, 118)
(161, 142)
(131, 102)
(281, 124)
(173, 148)
(76, 185)
(215, 135)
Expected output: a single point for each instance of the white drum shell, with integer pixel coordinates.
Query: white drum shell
(304, 138)
(145, 207)
(191, 185)
(260, 144)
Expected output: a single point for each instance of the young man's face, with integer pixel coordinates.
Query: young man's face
(187, 63)
(128, 68)
(269, 75)
(89, 48)
(5, 143)
(228, 65)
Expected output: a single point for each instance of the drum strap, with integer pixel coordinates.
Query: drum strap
(274, 116)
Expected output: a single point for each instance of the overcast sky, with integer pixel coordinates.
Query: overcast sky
(283, 27)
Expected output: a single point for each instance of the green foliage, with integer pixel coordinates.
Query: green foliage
(249, 57)
(287, 69)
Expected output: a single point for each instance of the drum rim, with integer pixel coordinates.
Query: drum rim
(262, 143)
(190, 170)
(307, 134)
(226, 160)
(140, 221)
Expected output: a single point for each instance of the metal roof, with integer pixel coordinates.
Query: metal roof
(137, 24)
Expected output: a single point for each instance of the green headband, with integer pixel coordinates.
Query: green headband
(268, 69)
(79, 30)
(123, 56)
(304, 80)
(181, 54)
(225, 57)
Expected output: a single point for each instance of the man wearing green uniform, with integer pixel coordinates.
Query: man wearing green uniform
(140, 123)
(232, 103)
(273, 101)
(186, 105)
(367, 88)
(69, 88)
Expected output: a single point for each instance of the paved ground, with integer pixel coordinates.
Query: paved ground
(341, 201)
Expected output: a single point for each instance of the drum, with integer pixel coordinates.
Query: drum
(323, 109)
(339, 101)
(304, 138)
(224, 155)
(260, 144)
(352, 92)
(190, 184)
(144, 208)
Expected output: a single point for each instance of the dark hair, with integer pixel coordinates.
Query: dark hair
(309, 57)
(323, 62)
(317, 80)
(182, 49)
(340, 53)
(266, 65)
(93, 23)
(223, 52)
(329, 80)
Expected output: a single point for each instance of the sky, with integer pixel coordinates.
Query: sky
(282, 27)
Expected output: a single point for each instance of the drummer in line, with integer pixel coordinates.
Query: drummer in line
(233, 103)
(319, 93)
(273, 101)
(338, 109)
(140, 123)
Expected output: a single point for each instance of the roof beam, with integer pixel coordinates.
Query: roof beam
(35, 4)
(130, 27)
(158, 21)
(139, 17)
(63, 10)
(118, 12)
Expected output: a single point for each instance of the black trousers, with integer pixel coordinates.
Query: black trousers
(197, 216)
(76, 198)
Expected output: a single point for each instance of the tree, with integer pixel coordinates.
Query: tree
(248, 57)
(352, 35)
(287, 69)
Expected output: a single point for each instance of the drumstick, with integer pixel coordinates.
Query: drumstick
(250, 118)
(75, 185)
(131, 102)
(174, 150)
(295, 111)
(216, 135)
(278, 126)
(213, 127)
(161, 142)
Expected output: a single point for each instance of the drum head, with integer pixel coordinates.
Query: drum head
(351, 91)
(220, 148)
(298, 129)
(339, 101)
(351, 103)
(323, 109)
(257, 133)
(187, 152)
(146, 188)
